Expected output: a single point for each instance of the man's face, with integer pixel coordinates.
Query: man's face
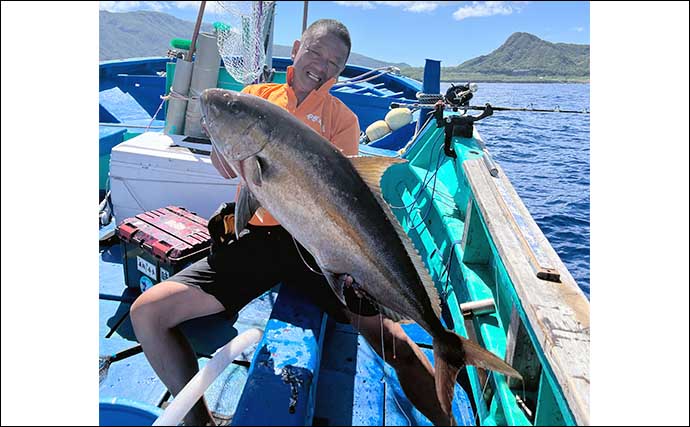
(320, 57)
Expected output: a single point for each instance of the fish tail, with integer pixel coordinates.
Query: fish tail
(451, 353)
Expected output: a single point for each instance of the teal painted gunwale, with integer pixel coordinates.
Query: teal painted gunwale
(437, 239)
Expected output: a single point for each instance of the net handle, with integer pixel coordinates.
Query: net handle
(197, 26)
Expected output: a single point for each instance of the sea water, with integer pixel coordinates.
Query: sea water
(546, 158)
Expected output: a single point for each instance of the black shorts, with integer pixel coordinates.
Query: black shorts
(244, 269)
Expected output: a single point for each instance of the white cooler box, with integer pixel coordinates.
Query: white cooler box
(154, 170)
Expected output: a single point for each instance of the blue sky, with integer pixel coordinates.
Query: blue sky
(409, 32)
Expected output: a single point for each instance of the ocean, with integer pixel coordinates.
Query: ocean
(546, 158)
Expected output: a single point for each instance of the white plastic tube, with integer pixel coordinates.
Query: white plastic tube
(196, 387)
(204, 75)
(174, 123)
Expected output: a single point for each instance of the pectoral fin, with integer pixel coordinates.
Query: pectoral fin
(245, 208)
(255, 174)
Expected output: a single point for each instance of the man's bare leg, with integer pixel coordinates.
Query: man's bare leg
(155, 316)
(415, 373)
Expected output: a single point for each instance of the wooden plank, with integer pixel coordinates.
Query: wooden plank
(349, 390)
(521, 355)
(284, 371)
(133, 378)
(224, 394)
(558, 313)
(475, 247)
(527, 237)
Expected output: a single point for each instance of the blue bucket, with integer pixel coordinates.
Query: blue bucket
(124, 412)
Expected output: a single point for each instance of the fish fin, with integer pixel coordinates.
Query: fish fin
(245, 208)
(451, 353)
(371, 169)
(475, 355)
(255, 173)
(337, 283)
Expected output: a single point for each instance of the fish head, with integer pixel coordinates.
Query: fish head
(237, 123)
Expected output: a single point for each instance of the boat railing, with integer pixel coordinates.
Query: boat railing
(553, 315)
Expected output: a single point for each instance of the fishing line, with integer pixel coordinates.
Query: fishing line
(383, 369)
(431, 199)
(488, 378)
(304, 260)
(425, 183)
(383, 348)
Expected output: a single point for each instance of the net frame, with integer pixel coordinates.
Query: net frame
(243, 37)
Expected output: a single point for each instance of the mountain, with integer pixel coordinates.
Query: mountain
(140, 34)
(526, 54)
(523, 57)
(355, 58)
(147, 33)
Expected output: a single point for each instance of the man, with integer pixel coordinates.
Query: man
(233, 275)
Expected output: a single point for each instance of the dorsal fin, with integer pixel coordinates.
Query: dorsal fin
(371, 169)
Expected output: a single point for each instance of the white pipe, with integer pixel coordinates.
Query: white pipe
(174, 121)
(196, 387)
(204, 75)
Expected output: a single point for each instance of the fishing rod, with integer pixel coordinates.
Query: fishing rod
(446, 106)
(457, 97)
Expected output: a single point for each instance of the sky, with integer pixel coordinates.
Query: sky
(410, 32)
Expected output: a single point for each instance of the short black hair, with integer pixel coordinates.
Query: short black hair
(330, 26)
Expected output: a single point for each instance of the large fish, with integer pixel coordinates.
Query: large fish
(333, 206)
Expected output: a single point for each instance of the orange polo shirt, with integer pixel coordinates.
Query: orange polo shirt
(321, 111)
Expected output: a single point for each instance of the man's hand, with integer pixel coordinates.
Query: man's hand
(221, 166)
(349, 281)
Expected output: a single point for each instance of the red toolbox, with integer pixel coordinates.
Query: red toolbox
(159, 243)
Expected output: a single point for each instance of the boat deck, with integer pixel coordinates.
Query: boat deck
(352, 384)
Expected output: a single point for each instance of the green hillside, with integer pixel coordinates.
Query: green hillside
(146, 33)
(523, 57)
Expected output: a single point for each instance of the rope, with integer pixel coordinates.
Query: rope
(175, 95)
(358, 79)
(425, 184)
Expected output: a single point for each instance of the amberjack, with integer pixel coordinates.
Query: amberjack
(333, 206)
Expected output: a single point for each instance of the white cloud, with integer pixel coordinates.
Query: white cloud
(578, 29)
(158, 6)
(413, 6)
(363, 4)
(408, 6)
(487, 8)
(127, 6)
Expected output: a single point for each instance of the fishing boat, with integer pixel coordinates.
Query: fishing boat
(282, 361)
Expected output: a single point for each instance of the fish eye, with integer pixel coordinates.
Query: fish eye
(233, 107)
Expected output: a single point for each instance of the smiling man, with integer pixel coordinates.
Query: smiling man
(237, 271)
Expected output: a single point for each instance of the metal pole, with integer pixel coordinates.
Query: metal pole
(197, 26)
(304, 16)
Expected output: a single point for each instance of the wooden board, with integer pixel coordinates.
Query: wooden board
(558, 313)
